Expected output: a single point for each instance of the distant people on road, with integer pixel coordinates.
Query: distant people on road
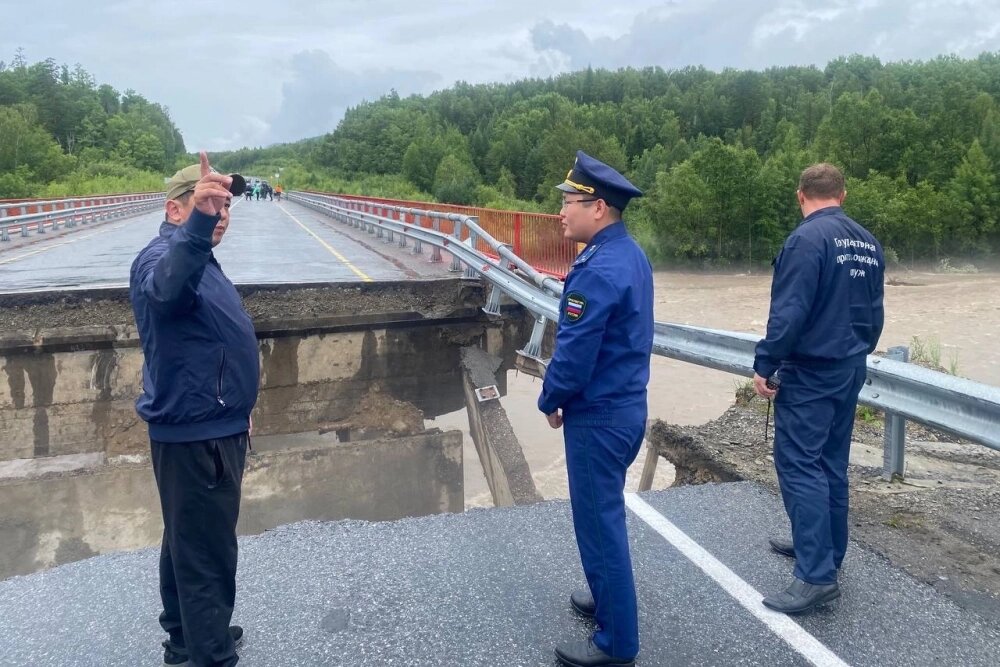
(595, 389)
(277, 191)
(825, 318)
(200, 379)
(248, 192)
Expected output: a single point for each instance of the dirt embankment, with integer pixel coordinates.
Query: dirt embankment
(941, 523)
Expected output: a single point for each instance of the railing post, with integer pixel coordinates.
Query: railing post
(473, 241)
(456, 263)
(392, 214)
(24, 229)
(893, 451)
(534, 346)
(4, 236)
(517, 235)
(417, 222)
(403, 217)
(436, 252)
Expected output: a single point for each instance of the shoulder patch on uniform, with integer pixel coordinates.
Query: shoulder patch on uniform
(586, 254)
(576, 304)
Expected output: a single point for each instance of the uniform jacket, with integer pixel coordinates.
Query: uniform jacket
(201, 370)
(600, 368)
(826, 296)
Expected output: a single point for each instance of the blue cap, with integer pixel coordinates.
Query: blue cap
(590, 176)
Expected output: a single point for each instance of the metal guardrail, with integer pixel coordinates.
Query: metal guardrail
(962, 407)
(72, 215)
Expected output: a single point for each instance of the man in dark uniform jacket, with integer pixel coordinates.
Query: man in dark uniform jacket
(826, 317)
(595, 388)
(199, 383)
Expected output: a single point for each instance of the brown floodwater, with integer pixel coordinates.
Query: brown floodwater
(956, 314)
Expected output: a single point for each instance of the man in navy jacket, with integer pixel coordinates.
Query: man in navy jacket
(199, 384)
(595, 388)
(826, 317)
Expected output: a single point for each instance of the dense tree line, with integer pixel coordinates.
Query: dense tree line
(718, 154)
(62, 133)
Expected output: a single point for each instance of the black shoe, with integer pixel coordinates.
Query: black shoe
(786, 548)
(801, 596)
(585, 654)
(783, 547)
(583, 603)
(177, 656)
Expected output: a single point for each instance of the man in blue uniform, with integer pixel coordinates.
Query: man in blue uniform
(595, 388)
(826, 317)
(199, 383)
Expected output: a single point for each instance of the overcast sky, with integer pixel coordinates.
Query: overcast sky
(255, 73)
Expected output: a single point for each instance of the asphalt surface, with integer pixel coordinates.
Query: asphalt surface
(267, 242)
(490, 587)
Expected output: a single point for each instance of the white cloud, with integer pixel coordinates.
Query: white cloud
(261, 72)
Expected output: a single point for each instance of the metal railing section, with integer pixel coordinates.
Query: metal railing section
(535, 237)
(48, 216)
(962, 407)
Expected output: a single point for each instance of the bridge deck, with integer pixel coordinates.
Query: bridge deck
(266, 242)
(490, 587)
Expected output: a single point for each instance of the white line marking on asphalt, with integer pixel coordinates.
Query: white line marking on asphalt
(326, 245)
(71, 239)
(791, 632)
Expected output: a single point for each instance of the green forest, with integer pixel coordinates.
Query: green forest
(63, 134)
(717, 153)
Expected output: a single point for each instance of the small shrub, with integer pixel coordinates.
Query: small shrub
(868, 415)
(891, 256)
(744, 392)
(926, 352)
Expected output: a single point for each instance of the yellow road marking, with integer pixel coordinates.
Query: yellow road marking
(361, 274)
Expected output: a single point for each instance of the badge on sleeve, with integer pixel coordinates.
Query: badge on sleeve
(576, 303)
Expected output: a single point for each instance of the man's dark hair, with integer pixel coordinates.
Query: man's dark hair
(183, 199)
(821, 181)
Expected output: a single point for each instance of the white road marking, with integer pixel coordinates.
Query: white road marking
(791, 632)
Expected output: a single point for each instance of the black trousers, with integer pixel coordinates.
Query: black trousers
(199, 484)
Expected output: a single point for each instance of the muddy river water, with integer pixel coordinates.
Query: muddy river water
(959, 314)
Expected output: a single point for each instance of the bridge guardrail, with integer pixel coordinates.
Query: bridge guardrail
(74, 211)
(959, 406)
(537, 237)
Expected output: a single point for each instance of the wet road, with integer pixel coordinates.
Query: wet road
(491, 587)
(266, 242)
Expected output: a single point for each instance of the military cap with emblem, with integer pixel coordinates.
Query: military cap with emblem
(590, 176)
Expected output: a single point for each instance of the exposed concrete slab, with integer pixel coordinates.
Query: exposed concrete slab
(19, 468)
(500, 453)
(55, 518)
(70, 365)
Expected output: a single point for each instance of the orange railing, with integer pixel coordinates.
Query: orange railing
(535, 237)
(12, 207)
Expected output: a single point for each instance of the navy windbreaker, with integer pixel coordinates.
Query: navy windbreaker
(600, 368)
(201, 371)
(826, 296)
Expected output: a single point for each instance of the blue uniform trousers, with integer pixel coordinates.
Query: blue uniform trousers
(596, 460)
(813, 421)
